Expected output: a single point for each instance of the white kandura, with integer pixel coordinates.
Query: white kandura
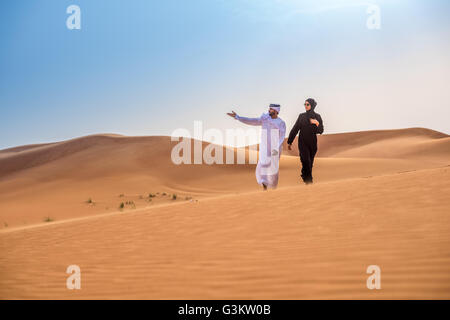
(272, 137)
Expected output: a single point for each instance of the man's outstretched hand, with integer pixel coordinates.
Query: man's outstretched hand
(232, 114)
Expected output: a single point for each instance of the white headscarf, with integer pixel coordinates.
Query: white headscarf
(275, 107)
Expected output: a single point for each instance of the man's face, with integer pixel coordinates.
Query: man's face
(272, 112)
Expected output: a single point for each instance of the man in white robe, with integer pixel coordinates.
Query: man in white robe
(272, 137)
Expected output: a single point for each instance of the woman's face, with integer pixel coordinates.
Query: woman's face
(307, 106)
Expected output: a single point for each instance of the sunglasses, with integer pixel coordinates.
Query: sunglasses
(307, 104)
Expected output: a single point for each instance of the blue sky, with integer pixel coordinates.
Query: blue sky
(147, 67)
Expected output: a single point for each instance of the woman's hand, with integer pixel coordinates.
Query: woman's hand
(289, 146)
(232, 114)
(314, 121)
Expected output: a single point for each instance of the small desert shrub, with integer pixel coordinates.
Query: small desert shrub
(90, 201)
(151, 195)
(48, 219)
(121, 195)
(188, 198)
(174, 197)
(122, 205)
(130, 203)
(164, 194)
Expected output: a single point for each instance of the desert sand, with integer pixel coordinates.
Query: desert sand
(210, 232)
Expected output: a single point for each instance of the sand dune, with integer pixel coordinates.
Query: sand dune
(295, 242)
(380, 197)
(56, 180)
(400, 143)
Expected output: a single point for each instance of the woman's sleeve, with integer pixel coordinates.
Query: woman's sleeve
(319, 129)
(295, 129)
(249, 121)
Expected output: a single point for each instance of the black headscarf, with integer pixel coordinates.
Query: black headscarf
(311, 114)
